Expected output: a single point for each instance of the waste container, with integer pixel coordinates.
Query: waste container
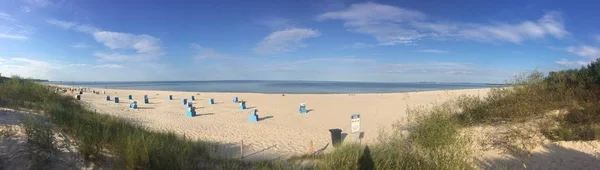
(336, 137)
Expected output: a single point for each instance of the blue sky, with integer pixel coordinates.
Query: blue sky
(335, 40)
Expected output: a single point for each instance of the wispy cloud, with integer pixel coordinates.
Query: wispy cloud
(25, 9)
(208, 53)
(108, 66)
(571, 64)
(285, 40)
(585, 51)
(381, 21)
(328, 61)
(427, 67)
(597, 38)
(551, 24)
(26, 67)
(6, 17)
(433, 51)
(38, 3)
(359, 45)
(62, 24)
(72, 25)
(145, 47)
(30, 5)
(79, 45)
(275, 23)
(391, 25)
(588, 52)
(10, 28)
(77, 65)
(13, 36)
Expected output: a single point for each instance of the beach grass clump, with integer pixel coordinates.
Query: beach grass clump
(526, 97)
(101, 137)
(40, 136)
(432, 140)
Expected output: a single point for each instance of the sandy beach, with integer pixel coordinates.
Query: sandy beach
(282, 130)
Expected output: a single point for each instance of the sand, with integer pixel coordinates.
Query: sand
(282, 131)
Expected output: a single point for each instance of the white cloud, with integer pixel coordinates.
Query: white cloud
(6, 17)
(16, 37)
(381, 21)
(551, 24)
(25, 9)
(29, 68)
(285, 40)
(77, 65)
(571, 64)
(62, 24)
(275, 23)
(585, 51)
(145, 47)
(360, 45)
(10, 28)
(38, 3)
(429, 67)
(391, 25)
(80, 45)
(116, 56)
(588, 52)
(208, 53)
(597, 38)
(143, 44)
(108, 66)
(72, 25)
(433, 51)
(327, 61)
(367, 13)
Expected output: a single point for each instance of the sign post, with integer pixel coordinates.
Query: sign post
(355, 123)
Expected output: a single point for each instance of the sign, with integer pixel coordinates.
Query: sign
(355, 123)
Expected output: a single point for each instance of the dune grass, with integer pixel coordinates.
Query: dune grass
(575, 92)
(430, 141)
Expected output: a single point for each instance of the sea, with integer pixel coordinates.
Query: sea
(275, 87)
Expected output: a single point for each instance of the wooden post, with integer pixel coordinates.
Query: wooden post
(242, 150)
(311, 148)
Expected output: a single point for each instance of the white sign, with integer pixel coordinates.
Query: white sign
(355, 123)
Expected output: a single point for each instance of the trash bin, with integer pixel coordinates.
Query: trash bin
(336, 137)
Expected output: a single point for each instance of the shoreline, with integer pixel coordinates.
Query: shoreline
(218, 92)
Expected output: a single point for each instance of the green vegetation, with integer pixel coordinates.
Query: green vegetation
(434, 142)
(39, 142)
(575, 92)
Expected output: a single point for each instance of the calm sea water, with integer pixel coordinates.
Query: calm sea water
(299, 87)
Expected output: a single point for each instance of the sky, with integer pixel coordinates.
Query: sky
(321, 40)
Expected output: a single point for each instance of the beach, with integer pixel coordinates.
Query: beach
(281, 131)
